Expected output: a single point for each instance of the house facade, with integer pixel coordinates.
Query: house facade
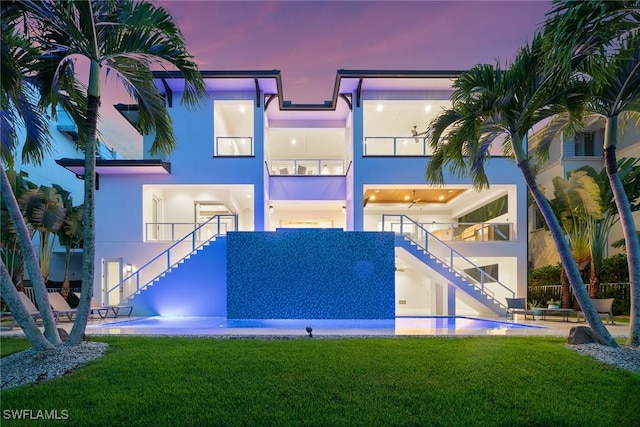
(246, 160)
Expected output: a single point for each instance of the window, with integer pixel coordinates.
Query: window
(233, 128)
(585, 144)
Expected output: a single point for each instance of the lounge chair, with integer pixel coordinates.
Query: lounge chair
(60, 306)
(602, 306)
(103, 311)
(31, 308)
(517, 306)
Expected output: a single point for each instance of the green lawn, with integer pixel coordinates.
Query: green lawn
(484, 381)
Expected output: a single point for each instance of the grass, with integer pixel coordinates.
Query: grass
(483, 381)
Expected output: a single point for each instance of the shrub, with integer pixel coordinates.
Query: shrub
(615, 269)
(545, 276)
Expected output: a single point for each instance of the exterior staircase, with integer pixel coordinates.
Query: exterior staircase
(175, 272)
(448, 263)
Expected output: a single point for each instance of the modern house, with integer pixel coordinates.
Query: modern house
(252, 171)
(567, 154)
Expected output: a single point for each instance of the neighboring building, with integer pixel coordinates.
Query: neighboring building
(64, 134)
(569, 154)
(353, 163)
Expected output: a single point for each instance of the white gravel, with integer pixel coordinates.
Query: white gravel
(30, 366)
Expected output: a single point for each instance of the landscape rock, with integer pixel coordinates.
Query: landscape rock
(581, 335)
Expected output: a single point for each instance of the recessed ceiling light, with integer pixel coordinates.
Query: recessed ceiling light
(427, 107)
(450, 191)
(407, 197)
(372, 198)
(293, 141)
(248, 196)
(405, 141)
(379, 107)
(242, 109)
(441, 198)
(377, 191)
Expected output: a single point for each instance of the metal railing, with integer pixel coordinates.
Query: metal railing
(307, 167)
(556, 290)
(233, 146)
(171, 231)
(449, 257)
(169, 258)
(471, 231)
(396, 146)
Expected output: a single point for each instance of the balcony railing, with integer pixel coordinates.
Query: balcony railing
(471, 231)
(233, 146)
(170, 257)
(172, 231)
(396, 146)
(307, 167)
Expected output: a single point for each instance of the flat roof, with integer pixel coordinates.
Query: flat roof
(269, 82)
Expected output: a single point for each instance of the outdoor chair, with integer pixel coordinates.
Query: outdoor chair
(103, 311)
(60, 306)
(31, 308)
(517, 306)
(602, 306)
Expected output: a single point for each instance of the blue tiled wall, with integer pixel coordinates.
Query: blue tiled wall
(310, 274)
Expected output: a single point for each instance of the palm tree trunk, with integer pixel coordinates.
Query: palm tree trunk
(88, 261)
(565, 290)
(594, 281)
(30, 262)
(22, 316)
(569, 264)
(628, 228)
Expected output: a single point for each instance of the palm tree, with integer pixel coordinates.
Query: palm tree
(17, 103)
(45, 212)
(601, 40)
(489, 106)
(70, 234)
(578, 209)
(629, 172)
(126, 39)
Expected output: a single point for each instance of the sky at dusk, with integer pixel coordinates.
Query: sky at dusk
(308, 41)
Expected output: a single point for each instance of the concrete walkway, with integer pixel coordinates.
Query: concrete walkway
(410, 326)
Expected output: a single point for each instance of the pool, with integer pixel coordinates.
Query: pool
(428, 325)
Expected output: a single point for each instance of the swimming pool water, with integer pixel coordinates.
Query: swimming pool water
(438, 324)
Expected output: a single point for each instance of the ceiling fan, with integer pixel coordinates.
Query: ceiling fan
(414, 201)
(416, 134)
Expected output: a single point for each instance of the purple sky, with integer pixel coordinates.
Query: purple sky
(309, 40)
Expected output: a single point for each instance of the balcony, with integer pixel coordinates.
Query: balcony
(396, 146)
(305, 167)
(230, 146)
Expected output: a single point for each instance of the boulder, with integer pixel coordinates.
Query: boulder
(581, 335)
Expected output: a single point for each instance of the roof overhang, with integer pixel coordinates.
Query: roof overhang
(348, 89)
(118, 167)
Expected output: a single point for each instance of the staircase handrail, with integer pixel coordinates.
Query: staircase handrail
(168, 250)
(483, 273)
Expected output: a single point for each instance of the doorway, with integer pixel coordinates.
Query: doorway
(112, 277)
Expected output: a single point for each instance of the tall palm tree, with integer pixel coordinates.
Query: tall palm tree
(601, 40)
(125, 39)
(490, 106)
(17, 103)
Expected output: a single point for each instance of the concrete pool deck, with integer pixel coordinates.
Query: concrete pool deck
(410, 326)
